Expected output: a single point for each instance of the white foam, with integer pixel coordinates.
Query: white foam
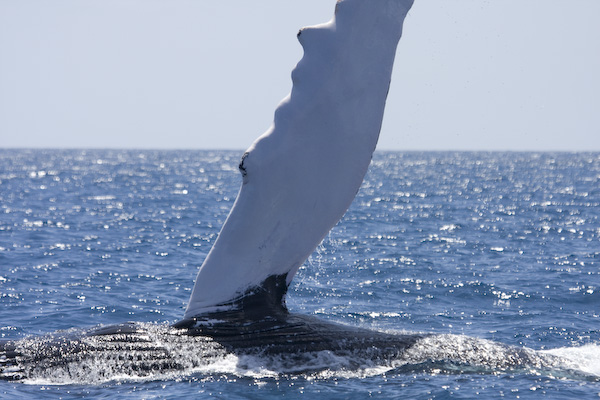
(584, 358)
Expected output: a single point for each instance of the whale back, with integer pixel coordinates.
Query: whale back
(300, 176)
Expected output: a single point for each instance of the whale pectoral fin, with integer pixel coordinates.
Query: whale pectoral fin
(300, 177)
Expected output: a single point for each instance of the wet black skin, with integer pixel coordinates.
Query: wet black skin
(260, 320)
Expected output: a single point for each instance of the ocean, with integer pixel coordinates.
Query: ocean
(503, 246)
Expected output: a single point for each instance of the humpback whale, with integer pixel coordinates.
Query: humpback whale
(298, 179)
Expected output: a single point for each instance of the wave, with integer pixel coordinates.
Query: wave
(584, 358)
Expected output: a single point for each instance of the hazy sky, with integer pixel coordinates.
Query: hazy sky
(192, 74)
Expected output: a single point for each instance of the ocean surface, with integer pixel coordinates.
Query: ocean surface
(497, 246)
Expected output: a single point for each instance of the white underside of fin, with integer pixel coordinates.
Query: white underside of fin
(300, 177)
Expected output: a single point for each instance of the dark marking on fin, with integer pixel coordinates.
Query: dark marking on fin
(242, 167)
(265, 301)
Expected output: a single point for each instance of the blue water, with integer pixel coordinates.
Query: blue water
(499, 246)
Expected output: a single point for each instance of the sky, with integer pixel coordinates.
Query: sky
(194, 74)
